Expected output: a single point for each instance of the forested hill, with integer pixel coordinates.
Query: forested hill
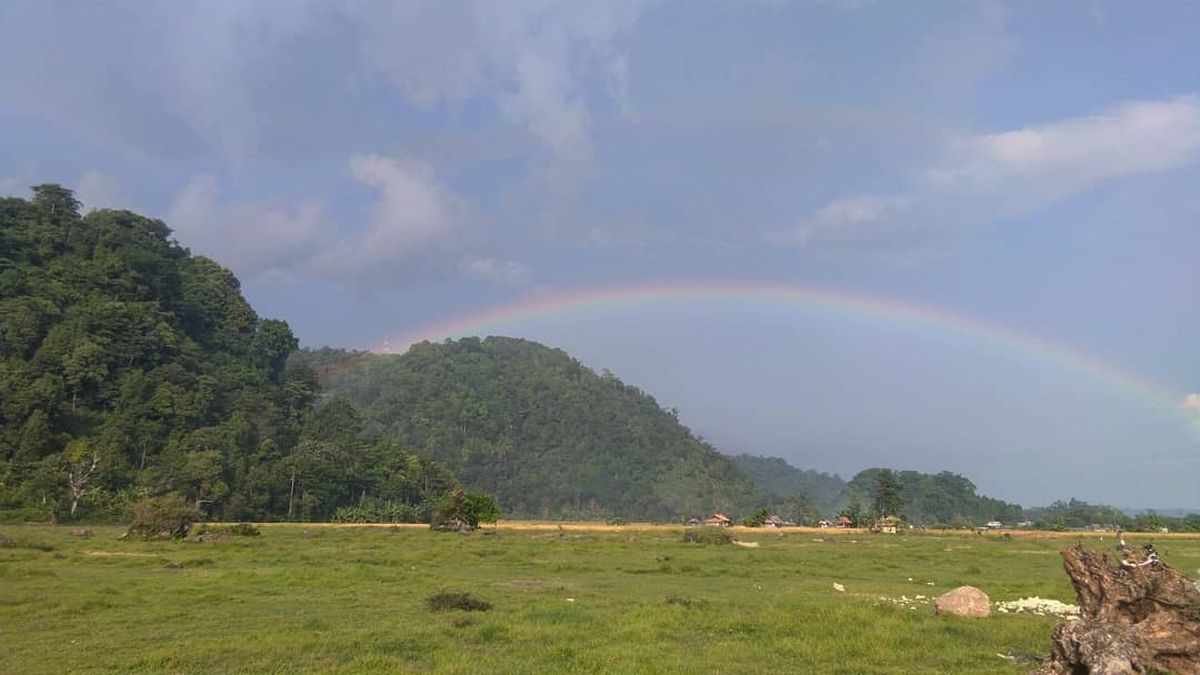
(776, 477)
(943, 498)
(543, 433)
(129, 367)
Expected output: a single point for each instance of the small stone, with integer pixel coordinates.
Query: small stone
(963, 601)
(839, 588)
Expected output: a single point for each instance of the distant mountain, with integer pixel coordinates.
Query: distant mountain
(776, 477)
(546, 435)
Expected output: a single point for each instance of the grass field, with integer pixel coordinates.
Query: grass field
(308, 598)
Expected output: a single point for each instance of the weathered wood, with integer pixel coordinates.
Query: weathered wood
(1137, 616)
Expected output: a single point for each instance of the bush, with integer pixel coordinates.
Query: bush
(243, 530)
(462, 510)
(211, 533)
(167, 517)
(707, 535)
(381, 511)
(448, 600)
(757, 518)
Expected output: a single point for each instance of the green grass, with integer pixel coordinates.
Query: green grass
(317, 599)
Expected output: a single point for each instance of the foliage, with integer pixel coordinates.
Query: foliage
(242, 530)
(383, 511)
(448, 600)
(130, 367)
(707, 535)
(459, 509)
(547, 436)
(167, 517)
(942, 499)
(757, 518)
(885, 496)
(780, 481)
(1076, 514)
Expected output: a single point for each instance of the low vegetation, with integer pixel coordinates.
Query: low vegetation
(312, 598)
(448, 600)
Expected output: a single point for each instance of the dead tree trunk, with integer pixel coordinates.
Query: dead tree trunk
(1138, 616)
(78, 476)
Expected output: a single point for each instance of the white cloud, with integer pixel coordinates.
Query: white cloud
(529, 57)
(1191, 403)
(99, 190)
(249, 79)
(996, 175)
(252, 238)
(1054, 160)
(501, 272)
(405, 229)
(1191, 407)
(413, 212)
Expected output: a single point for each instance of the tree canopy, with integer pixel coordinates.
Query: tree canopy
(546, 435)
(130, 367)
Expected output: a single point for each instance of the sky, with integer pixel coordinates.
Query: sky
(1020, 175)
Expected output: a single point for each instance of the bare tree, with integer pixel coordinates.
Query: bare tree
(78, 475)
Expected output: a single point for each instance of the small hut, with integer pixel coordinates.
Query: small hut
(717, 520)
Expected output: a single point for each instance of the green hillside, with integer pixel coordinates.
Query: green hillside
(943, 498)
(130, 367)
(543, 433)
(776, 477)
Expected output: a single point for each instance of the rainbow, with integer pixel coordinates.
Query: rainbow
(834, 301)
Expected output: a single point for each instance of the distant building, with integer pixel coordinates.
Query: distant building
(774, 521)
(825, 523)
(843, 521)
(717, 520)
(994, 525)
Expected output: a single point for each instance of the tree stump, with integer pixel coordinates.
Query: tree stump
(1138, 616)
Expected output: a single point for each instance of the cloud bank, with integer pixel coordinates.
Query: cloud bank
(992, 176)
(407, 227)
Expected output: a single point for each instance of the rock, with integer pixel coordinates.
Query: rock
(81, 532)
(839, 588)
(1139, 616)
(963, 601)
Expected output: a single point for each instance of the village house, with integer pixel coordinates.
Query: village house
(843, 521)
(774, 521)
(717, 520)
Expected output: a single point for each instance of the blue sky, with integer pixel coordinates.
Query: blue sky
(369, 168)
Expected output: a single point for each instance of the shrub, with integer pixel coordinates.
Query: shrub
(243, 530)
(462, 510)
(683, 601)
(216, 533)
(707, 535)
(757, 518)
(448, 600)
(167, 517)
(380, 511)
